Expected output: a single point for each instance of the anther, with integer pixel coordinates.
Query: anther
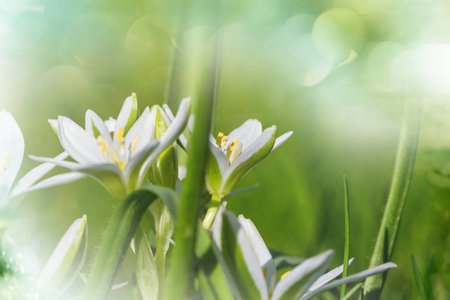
(102, 142)
(7, 161)
(235, 149)
(285, 274)
(134, 142)
(219, 139)
(120, 137)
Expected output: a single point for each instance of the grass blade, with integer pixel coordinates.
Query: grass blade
(347, 235)
(418, 279)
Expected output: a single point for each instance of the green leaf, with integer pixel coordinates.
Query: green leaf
(418, 279)
(146, 272)
(119, 233)
(347, 235)
(352, 291)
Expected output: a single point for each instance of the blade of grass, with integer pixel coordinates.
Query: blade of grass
(418, 279)
(180, 278)
(403, 172)
(352, 291)
(347, 235)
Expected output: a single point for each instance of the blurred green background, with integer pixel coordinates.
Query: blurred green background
(337, 73)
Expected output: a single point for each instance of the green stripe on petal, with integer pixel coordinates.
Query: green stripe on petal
(249, 158)
(213, 174)
(128, 114)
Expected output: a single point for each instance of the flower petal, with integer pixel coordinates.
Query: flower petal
(81, 146)
(302, 277)
(327, 277)
(247, 160)
(351, 278)
(34, 175)
(281, 139)
(169, 136)
(54, 125)
(96, 127)
(143, 131)
(216, 163)
(262, 253)
(247, 133)
(110, 124)
(62, 163)
(11, 151)
(57, 180)
(239, 259)
(183, 141)
(64, 254)
(134, 166)
(127, 116)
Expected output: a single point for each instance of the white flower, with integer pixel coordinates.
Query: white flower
(237, 238)
(11, 155)
(28, 280)
(120, 158)
(233, 156)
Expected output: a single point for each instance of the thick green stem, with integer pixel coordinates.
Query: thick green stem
(116, 241)
(180, 279)
(212, 211)
(403, 172)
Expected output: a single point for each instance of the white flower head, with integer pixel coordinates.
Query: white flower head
(234, 155)
(302, 282)
(118, 153)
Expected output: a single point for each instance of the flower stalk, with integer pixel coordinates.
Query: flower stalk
(403, 173)
(212, 211)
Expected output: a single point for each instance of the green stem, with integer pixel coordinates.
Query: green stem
(403, 172)
(212, 211)
(116, 241)
(180, 279)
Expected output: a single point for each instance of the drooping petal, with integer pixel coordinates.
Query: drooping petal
(11, 151)
(351, 278)
(327, 277)
(169, 136)
(127, 116)
(62, 163)
(57, 180)
(281, 139)
(81, 146)
(261, 251)
(34, 175)
(96, 127)
(298, 281)
(247, 133)
(247, 160)
(64, 254)
(183, 141)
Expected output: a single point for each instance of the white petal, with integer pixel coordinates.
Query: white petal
(57, 180)
(281, 139)
(54, 125)
(169, 136)
(309, 270)
(246, 133)
(260, 248)
(110, 124)
(129, 106)
(34, 175)
(143, 130)
(327, 277)
(81, 146)
(62, 257)
(351, 278)
(55, 161)
(11, 151)
(92, 119)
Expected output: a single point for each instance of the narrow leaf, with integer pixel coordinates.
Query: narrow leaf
(347, 235)
(146, 273)
(418, 279)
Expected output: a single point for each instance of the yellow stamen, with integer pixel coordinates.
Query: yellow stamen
(264, 270)
(7, 161)
(219, 139)
(224, 140)
(120, 165)
(102, 142)
(233, 151)
(284, 275)
(134, 142)
(120, 137)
